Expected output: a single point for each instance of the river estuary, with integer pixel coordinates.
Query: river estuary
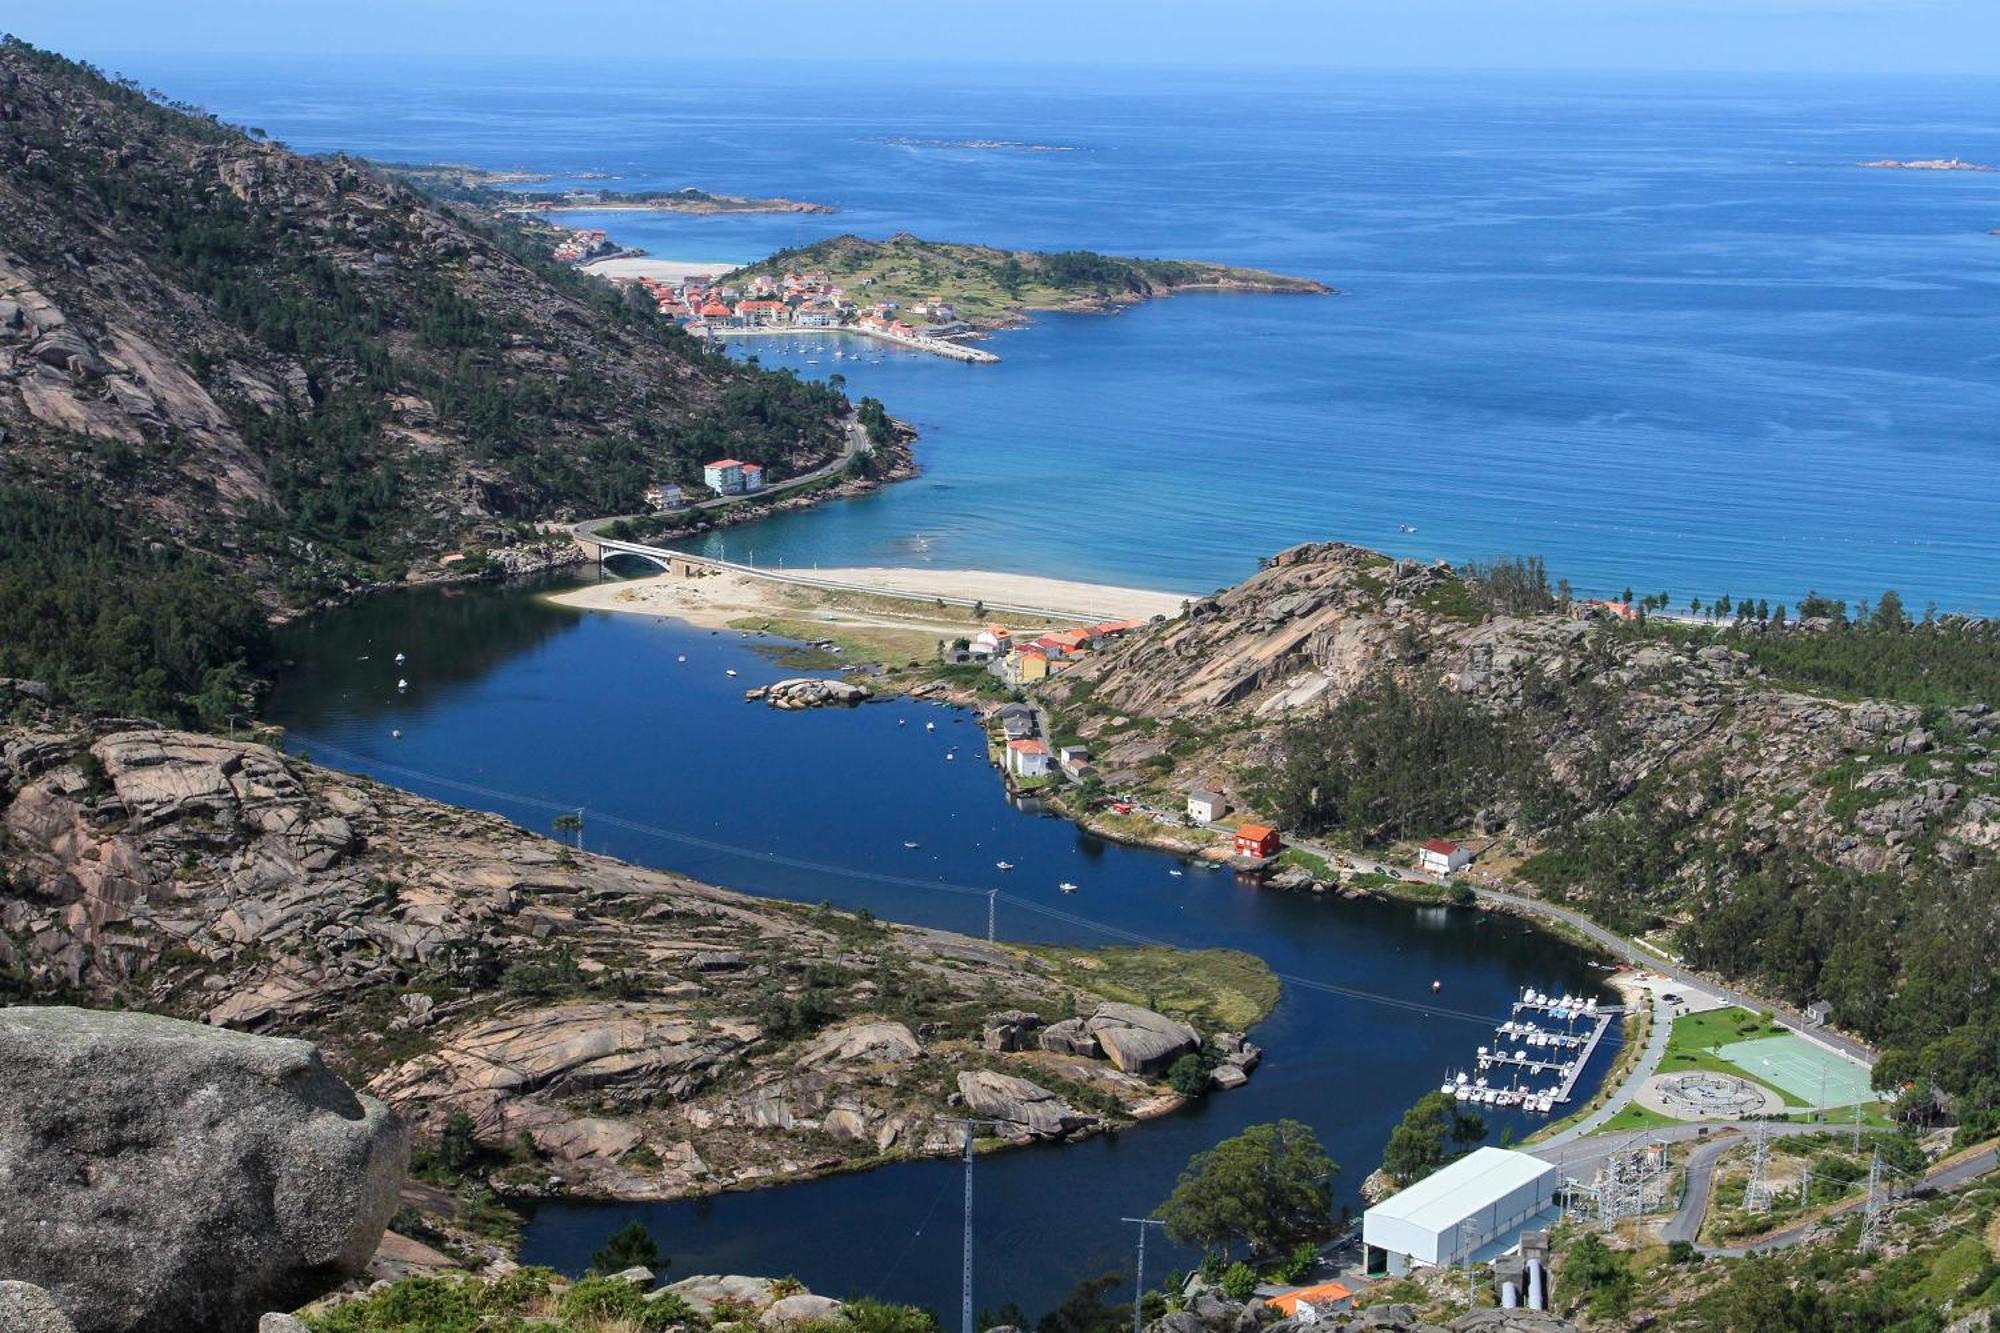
(517, 706)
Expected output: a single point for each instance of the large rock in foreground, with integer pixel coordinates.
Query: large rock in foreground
(158, 1176)
(1140, 1041)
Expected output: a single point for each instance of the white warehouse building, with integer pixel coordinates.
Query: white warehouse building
(1486, 1196)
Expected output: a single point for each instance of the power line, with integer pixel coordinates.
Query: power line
(878, 877)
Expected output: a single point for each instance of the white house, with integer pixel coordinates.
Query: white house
(664, 495)
(1484, 1198)
(1205, 806)
(1028, 759)
(1441, 856)
(730, 476)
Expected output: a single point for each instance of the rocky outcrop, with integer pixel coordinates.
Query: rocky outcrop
(612, 1022)
(26, 1308)
(1025, 1110)
(808, 692)
(157, 1175)
(1139, 1041)
(862, 1043)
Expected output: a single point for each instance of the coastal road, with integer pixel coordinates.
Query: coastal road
(856, 442)
(1625, 949)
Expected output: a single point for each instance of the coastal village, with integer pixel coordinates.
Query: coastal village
(710, 305)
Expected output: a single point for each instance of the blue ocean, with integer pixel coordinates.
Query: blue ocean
(1664, 331)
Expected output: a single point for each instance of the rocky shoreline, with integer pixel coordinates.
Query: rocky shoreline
(621, 1032)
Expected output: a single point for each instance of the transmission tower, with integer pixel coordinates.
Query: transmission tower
(1871, 1218)
(1757, 1192)
(965, 1276)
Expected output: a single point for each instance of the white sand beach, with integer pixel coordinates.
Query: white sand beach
(673, 271)
(728, 598)
(1080, 599)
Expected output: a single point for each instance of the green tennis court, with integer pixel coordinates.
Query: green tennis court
(1797, 1066)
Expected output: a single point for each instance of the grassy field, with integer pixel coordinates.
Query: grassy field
(1635, 1116)
(1691, 1045)
(1210, 988)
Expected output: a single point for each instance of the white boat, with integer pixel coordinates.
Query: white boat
(1464, 1093)
(930, 726)
(1003, 865)
(729, 671)
(950, 755)
(681, 658)
(1067, 887)
(399, 659)
(396, 735)
(911, 845)
(402, 684)
(1176, 873)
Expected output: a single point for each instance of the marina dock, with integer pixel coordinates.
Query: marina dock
(1524, 1046)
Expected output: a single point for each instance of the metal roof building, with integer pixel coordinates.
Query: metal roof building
(1458, 1210)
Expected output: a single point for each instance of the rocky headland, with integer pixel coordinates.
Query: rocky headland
(621, 1032)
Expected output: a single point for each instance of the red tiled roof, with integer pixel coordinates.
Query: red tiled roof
(725, 462)
(1441, 846)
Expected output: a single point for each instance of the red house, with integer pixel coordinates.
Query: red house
(1257, 840)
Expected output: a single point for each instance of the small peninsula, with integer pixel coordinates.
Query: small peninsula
(509, 190)
(983, 287)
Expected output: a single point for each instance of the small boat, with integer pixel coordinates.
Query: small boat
(1003, 865)
(911, 845)
(1067, 887)
(399, 659)
(729, 671)
(681, 658)
(930, 726)
(950, 755)
(902, 722)
(402, 684)
(1436, 986)
(1464, 1092)
(396, 735)
(1176, 873)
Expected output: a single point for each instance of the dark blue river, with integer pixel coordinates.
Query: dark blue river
(513, 698)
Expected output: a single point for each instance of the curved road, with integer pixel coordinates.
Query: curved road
(856, 442)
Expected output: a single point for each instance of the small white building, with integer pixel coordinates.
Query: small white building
(664, 495)
(1441, 856)
(1205, 806)
(1483, 1199)
(1028, 759)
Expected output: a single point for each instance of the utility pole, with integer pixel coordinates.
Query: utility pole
(992, 899)
(1139, 1280)
(1857, 1127)
(965, 1275)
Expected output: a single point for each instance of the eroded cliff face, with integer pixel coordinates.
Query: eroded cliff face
(651, 1036)
(1855, 784)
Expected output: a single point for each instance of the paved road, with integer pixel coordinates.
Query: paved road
(1685, 1224)
(855, 442)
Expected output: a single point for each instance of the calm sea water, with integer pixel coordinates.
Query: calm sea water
(511, 698)
(1662, 331)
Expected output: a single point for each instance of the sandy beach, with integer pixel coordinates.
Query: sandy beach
(727, 598)
(1097, 600)
(673, 271)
